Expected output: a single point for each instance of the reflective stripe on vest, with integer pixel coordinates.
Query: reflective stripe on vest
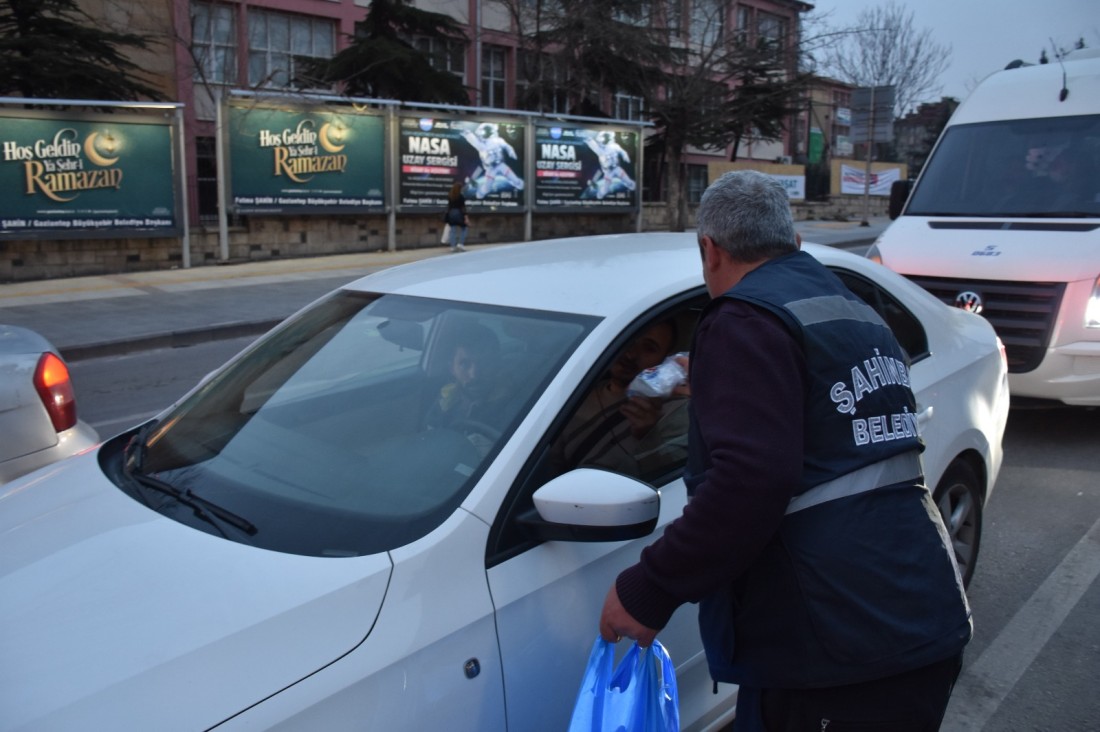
(897, 469)
(814, 310)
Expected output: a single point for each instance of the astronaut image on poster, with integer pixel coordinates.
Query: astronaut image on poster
(612, 177)
(495, 174)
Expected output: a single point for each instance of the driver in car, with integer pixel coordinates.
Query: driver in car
(631, 435)
(475, 399)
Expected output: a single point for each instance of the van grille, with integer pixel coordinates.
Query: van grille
(1022, 313)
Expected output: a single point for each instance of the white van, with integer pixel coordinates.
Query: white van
(1005, 220)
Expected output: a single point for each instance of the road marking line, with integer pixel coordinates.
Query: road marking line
(985, 684)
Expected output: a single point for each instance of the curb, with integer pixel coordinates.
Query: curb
(174, 339)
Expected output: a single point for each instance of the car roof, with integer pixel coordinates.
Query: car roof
(591, 275)
(598, 275)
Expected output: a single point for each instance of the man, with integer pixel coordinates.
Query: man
(826, 584)
(627, 434)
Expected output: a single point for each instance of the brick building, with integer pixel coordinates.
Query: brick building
(207, 48)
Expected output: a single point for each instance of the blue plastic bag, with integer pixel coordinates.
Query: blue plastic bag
(638, 695)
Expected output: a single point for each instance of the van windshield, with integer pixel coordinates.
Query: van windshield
(1043, 168)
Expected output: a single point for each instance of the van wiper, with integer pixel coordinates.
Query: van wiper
(203, 509)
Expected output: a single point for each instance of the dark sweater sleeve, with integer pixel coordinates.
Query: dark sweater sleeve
(748, 378)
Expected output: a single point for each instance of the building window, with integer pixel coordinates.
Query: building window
(653, 179)
(444, 54)
(206, 176)
(771, 31)
(743, 36)
(635, 13)
(541, 83)
(628, 106)
(492, 76)
(277, 42)
(214, 43)
(674, 16)
(696, 183)
(707, 21)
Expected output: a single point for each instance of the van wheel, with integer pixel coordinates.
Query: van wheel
(959, 498)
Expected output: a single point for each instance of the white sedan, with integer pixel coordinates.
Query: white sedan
(315, 537)
(38, 415)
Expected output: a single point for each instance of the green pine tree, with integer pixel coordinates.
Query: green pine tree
(381, 62)
(51, 49)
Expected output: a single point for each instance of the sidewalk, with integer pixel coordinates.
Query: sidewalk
(91, 317)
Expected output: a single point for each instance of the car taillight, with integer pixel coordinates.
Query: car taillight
(55, 389)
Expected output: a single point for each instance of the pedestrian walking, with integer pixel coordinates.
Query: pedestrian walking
(457, 218)
(826, 584)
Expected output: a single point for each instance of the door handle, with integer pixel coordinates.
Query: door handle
(924, 415)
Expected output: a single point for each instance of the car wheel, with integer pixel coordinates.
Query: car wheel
(959, 498)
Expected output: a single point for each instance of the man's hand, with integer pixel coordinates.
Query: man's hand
(642, 413)
(616, 623)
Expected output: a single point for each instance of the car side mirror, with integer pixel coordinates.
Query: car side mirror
(593, 505)
(899, 194)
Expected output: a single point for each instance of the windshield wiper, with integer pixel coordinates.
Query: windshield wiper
(202, 508)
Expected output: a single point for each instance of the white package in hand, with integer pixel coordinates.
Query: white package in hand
(659, 380)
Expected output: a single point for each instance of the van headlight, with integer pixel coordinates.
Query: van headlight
(1092, 310)
(876, 256)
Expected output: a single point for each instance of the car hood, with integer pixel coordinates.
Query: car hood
(1060, 250)
(111, 612)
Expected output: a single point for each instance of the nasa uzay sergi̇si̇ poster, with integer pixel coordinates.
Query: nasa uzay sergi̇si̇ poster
(485, 156)
(590, 168)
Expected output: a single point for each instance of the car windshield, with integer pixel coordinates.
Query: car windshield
(1027, 168)
(359, 425)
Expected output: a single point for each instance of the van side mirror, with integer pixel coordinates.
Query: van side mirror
(899, 194)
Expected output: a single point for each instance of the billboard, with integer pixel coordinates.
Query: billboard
(591, 168)
(872, 114)
(487, 156)
(86, 175)
(305, 159)
(854, 180)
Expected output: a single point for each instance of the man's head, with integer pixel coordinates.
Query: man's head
(475, 361)
(646, 350)
(745, 216)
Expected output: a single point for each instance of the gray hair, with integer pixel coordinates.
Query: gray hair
(747, 214)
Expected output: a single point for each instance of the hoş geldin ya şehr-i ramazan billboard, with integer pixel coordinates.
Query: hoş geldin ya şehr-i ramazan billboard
(86, 176)
(305, 160)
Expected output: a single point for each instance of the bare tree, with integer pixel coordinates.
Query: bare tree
(704, 84)
(884, 48)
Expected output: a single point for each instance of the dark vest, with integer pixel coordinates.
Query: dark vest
(860, 582)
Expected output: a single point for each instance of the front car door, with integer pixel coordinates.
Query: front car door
(548, 596)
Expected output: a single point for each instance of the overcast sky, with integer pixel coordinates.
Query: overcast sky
(985, 35)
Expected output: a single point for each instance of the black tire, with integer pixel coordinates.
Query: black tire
(959, 498)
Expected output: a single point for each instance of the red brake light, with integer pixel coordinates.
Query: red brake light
(55, 389)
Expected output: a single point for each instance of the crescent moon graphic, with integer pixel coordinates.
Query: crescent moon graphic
(326, 143)
(93, 154)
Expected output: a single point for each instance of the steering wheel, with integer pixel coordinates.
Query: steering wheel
(480, 428)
